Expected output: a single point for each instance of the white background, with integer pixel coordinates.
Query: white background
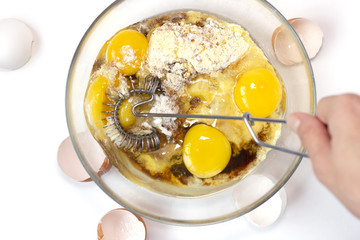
(37, 201)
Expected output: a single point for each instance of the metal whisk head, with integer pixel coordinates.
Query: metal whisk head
(145, 140)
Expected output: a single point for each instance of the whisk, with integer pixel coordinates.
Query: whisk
(150, 142)
(143, 141)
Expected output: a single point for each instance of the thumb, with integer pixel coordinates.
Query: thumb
(313, 135)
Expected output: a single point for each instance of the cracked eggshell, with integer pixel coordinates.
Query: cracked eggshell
(268, 212)
(69, 162)
(310, 34)
(285, 47)
(252, 188)
(16, 40)
(71, 165)
(121, 224)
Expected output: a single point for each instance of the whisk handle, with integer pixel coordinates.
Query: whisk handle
(248, 122)
(247, 118)
(170, 115)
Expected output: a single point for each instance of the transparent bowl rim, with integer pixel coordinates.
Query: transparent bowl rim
(216, 220)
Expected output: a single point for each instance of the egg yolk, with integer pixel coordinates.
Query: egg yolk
(127, 49)
(258, 92)
(126, 116)
(96, 97)
(206, 151)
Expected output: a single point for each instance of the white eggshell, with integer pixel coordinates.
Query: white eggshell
(268, 212)
(285, 47)
(16, 40)
(119, 224)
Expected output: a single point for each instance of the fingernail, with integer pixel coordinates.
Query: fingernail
(293, 121)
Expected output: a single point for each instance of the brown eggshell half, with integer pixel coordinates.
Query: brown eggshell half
(70, 164)
(285, 47)
(119, 224)
(310, 34)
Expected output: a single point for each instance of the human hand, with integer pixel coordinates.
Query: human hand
(332, 141)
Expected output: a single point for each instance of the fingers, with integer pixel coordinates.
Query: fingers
(332, 142)
(323, 108)
(341, 114)
(335, 115)
(313, 135)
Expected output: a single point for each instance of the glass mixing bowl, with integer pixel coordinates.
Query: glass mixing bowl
(260, 19)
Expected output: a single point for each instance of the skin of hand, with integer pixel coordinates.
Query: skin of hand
(332, 141)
